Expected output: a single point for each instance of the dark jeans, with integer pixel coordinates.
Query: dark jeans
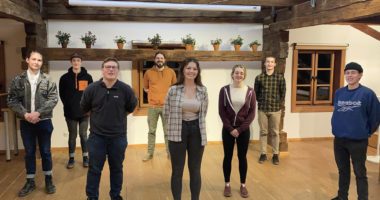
(191, 142)
(99, 148)
(228, 146)
(72, 126)
(357, 150)
(30, 133)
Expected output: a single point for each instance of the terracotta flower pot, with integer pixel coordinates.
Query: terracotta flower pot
(254, 48)
(120, 45)
(216, 47)
(64, 44)
(237, 47)
(88, 45)
(189, 47)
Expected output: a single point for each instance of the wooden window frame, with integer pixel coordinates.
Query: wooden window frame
(336, 77)
(137, 72)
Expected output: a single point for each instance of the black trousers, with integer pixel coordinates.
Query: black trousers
(242, 143)
(344, 149)
(192, 143)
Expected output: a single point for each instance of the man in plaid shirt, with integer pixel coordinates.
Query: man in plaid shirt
(270, 94)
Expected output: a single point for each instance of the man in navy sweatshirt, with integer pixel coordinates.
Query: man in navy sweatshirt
(355, 118)
(109, 101)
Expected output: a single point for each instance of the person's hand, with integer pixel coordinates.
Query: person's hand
(34, 117)
(235, 133)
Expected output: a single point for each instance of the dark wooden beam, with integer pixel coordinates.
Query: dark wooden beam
(231, 2)
(375, 20)
(136, 54)
(59, 11)
(19, 11)
(325, 12)
(367, 30)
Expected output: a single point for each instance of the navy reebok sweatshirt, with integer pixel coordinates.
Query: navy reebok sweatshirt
(356, 113)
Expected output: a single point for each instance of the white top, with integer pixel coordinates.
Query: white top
(33, 78)
(238, 95)
(190, 109)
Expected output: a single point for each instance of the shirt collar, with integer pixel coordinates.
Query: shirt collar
(33, 76)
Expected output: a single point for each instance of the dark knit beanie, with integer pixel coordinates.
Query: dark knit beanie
(354, 66)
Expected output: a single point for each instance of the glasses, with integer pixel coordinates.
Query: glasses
(109, 67)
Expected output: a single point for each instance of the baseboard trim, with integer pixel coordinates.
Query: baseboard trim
(209, 142)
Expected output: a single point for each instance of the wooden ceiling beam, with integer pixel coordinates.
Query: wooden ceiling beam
(231, 2)
(367, 30)
(17, 10)
(59, 11)
(325, 12)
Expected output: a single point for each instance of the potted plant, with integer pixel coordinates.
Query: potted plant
(63, 38)
(254, 45)
(189, 42)
(89, 39)
(155, 41)
(120, 41)
(237, 42)
(216, 43)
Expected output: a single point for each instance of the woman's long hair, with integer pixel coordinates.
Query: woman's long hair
(181, 77)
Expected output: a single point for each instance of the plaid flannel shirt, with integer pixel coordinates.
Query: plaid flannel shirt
(173, 112)
(270, 91)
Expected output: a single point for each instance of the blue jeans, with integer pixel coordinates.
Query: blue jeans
(30, 133)
(99, 148)
(344, 149)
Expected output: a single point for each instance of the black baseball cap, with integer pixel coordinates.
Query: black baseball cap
(75, 55)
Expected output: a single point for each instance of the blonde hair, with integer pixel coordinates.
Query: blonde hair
(239, 66)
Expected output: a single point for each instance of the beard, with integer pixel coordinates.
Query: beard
(160, 64)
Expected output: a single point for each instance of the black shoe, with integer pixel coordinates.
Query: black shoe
(49, 186)
(92, 198)
(275, 159)
(263, 157)
(70, 164)
(85, 161)
(29, 186)
(117, 198)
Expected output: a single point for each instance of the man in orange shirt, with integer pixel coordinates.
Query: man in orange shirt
(157, 81)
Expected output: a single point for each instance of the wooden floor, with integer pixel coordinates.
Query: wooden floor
(308, 172)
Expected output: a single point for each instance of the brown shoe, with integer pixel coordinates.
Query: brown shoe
(147, 157)
(243, 192)
(227, 191)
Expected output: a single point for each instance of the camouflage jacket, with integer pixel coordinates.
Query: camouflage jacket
(19, 97)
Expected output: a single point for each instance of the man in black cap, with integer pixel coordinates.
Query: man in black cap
(71, 87)
(355, 118)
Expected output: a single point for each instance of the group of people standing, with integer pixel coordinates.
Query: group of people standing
(182, 104)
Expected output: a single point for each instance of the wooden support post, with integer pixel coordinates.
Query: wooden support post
(36, 39)
(276, 44)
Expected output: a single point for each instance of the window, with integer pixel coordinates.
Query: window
(144, 66)
(317, 74)
(139, 67)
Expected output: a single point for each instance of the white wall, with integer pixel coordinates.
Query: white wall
(362, 49)
(214, 74)
(13, 35)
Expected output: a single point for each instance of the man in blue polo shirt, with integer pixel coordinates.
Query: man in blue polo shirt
(355, 118)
